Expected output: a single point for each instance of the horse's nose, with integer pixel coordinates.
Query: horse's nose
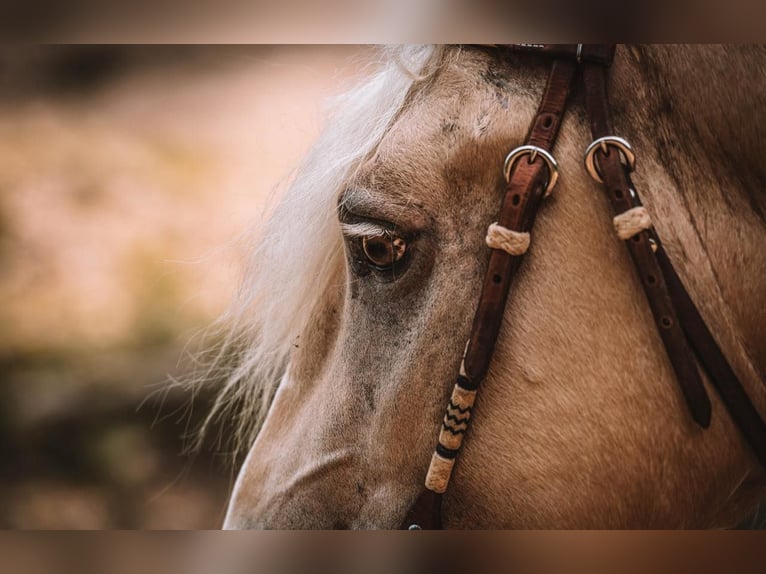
(297, 492)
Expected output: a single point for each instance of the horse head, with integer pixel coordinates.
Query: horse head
(356, 312)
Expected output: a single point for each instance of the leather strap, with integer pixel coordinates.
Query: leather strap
(623, 196)
(523, 197)
(678, 319)
(729, 388)
(524, 193)
(602, 54)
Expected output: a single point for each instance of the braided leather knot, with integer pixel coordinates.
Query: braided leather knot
(510, 241)
(632, 221)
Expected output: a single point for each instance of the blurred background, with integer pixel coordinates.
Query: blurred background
(126, 176)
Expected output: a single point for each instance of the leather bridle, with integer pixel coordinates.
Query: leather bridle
(531, 173)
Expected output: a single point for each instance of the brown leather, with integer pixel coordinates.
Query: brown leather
(524, 193)
(622, 197)
(581, 53)
(669, 298)
(523, 196)
(731, 391)
(425, 513)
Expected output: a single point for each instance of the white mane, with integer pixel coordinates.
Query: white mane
(287, 271)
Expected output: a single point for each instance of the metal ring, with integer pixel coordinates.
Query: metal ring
(603, 143)
(533, 151)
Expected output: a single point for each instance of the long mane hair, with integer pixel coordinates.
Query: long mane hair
(299, 251)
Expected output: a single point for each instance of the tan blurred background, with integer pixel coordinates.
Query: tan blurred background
(126, 176)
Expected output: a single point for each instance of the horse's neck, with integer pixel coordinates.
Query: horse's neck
(700, 173)
(715, 94)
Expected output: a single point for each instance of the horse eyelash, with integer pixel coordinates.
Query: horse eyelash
(363, 229)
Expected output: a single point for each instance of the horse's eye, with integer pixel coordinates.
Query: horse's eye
(384, 251)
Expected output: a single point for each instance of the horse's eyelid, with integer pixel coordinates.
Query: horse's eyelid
(364, 229)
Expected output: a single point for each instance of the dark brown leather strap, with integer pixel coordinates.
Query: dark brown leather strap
(602, 54)
(623, 197)
(523, 196)
(729, 388)
(678, 320)
(524, 193)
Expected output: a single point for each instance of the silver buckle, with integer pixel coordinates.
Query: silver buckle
(603, 144)
(532, 151)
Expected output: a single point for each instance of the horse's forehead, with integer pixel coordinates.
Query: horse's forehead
(456, 108)
(454, 130)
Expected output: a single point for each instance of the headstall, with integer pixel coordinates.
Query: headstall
(531, 173)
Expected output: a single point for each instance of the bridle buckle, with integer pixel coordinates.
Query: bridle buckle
(533, 151)
(603, 144)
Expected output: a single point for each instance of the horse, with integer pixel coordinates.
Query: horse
(349, 326)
